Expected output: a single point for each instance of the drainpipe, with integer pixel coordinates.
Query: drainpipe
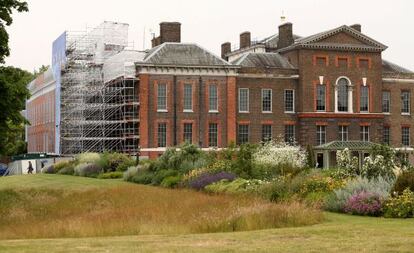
(200, 101)
(175, 110)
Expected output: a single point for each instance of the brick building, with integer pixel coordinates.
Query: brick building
(327, 90)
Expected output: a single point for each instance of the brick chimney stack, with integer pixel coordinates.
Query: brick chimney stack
(245, 40)
(285, 35)
(225, 49)
(169, 32)
(356, 27)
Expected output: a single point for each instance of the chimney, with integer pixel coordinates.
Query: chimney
(170, 32)
(285, 35)
(356, 27)
(225, 49)
(245, 40)
(155, 41)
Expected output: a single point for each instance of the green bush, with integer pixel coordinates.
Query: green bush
(279, 191)
(161, 174)
(68, 170)
(401, 206)
(115, 161)
(88, 158)
(171, 182)
(130, 173)
(87, 170)
(239, 185)
(144, 177)
(111, 175)
(405, 180)
(49, 169)
(61, 164)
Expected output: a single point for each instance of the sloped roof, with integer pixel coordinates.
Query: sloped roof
(314, 41)
(272, 41)
(390, 67)
(273, 60)
(351, 145)
(171, 53)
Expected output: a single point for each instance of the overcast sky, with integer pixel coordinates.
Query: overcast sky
(210, 23)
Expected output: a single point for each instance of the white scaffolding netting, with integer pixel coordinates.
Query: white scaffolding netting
(122, 64)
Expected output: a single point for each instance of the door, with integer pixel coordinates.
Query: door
(319, 160)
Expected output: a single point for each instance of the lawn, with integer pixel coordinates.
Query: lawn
(340, 233)
(163, 211)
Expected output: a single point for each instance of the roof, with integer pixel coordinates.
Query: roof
(388, 66)
(171, 53)
(351, 145)
(314, 41)
(272, 40)
(273, 60)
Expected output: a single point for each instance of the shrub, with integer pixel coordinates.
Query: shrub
(401, 206)
(364, 203)
(62, 164)
(48, 169)
(347, 163)
(111, 175)
(404, 180)
(239, 185)
(243, 164)
(161, 174)
(143, 177)
(280, 153)
(338, 173)
(88, 158)
(279, 190)
(130, 172)
(207, 178)
(380, 186)
(375, 166)
(87, 170)
(171, 182)
(310, 157)
(115, 161)
(69, 170)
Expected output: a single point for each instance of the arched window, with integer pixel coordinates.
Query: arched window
(343, 93)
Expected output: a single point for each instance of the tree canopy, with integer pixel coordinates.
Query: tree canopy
(13, 94)
(6, 9)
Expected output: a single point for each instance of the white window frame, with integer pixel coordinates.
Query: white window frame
(191, 98)
(389, 101)
(402, 137)
(360, 98)
(409, 103)
(293, 100)
(166, 98)
(350, 97)
(342, 132)
(320, 133)
(324, 97)
(271, 100)
(365, 131)
(217, 99)
(247, 102)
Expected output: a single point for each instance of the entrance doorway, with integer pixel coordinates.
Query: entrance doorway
(319, 160)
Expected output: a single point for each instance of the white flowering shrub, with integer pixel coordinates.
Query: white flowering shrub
(374, 167)
(346, 162)
(280, 153)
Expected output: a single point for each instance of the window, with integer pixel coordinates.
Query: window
(188, 132)
(162, 134)
(266, 132)
(243, 100)
(266, 100)
(364, 63)
(212, 98)
(386, 135)
(242, 134)
(289, 100)
(343, 133)
(342, 62)
(386, 101)
(364, 131)
(321, 61)
(320, 135)
(290, 134)
(405, 102)
(162, 97)
(188, 97)
(405, 136)
(364, 99)
(320, 97)
(343, 95)
(212, 135)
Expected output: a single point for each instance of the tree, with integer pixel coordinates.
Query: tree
(41, 70)
(13, 94)
(6, 9)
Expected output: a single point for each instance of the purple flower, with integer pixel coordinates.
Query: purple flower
(207, 178)
(364, 203)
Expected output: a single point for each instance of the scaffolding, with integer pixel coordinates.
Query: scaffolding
(97, 114)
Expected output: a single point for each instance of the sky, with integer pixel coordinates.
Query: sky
(209, 23)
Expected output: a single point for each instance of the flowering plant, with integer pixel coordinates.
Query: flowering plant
(280, 153)
(207, 178)
(364, 203)
(346, 162)
(401, 206)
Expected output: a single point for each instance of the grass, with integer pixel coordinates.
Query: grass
(67, 206)
(340, 233)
